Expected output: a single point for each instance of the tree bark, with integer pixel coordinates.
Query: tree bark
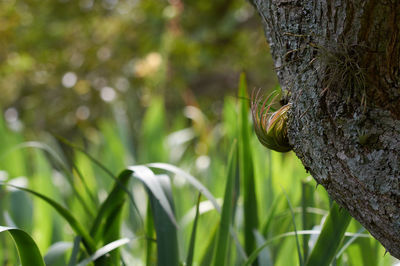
(338, 62)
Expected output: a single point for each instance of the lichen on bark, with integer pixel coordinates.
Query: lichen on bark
(338, 63)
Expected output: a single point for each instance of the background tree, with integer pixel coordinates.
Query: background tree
(338, 63)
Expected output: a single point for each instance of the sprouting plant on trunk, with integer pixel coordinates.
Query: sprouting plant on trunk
(270, 128)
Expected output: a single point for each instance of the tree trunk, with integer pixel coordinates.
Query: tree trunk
(338, 62)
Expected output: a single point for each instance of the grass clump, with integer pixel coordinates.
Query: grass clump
(345, 71)
(152, 214)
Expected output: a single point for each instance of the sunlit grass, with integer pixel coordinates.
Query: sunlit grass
(256, 205)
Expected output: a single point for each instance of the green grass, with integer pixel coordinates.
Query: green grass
(229, 202)
(27, 248)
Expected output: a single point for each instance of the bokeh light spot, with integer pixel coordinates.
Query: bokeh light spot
(11, 115)
(69, 79)
(82, 113)
(203, 162)
(108, 94)
(104, 54)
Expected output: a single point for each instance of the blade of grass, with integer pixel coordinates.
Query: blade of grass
(28, 251)
(207, 256)
(94, 160)
(13, 163)
(114, 200)
(349, 242)
(104, 250)
(75, 171)
(107, 225)
(72, 221)
(361, 249)
(189, 259)
(268, 242)
(301, 261)
(75, 250)
(112, 233)
(8, 220)
(104, 169)
(60, 163)
(265, 254)
(20, 206)
(369, 252)
(204, 191)
(147, 177)
(56, 253)
(271, 215)
(221, 248)
(330, 238)
(42, 181)
(192, 180)
(204, 207)
(161, 205)
(85, 185)
(152, 146)
(166, 228)
(150, 240)
(307, 199)
(247, 169)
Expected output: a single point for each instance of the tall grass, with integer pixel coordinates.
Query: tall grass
(204, 195)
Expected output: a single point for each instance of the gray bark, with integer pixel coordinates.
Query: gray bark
(338, 62)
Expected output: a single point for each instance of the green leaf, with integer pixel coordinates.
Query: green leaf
(21, 208)
(56, 253)
(161, 202)
(203, 190)
(330, 238)
(118, 180)
(107, 225)
(264, 257)
(307, 200)
(189, 260)
(152, 146)
(112, 233)
(247, 169)
(369, 250)
(28, 251)
(166, 228)
(269, 241)
(301, 261)
(114, 200)
(104, 250)
(11, 160)
(207, 256)
(221, 248)
(75, 225)
(75, 251)
(150, 237)
(192, 180)
(350, 241)
(147, 177)
(42, 181)
(271, 215)
(61, 164)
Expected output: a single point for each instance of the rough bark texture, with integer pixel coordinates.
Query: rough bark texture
(338, 62)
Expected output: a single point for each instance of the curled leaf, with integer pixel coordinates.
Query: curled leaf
(271, 129)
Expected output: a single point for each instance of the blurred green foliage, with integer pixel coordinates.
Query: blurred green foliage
(80, 197)
(63, 62)
(146, 81)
